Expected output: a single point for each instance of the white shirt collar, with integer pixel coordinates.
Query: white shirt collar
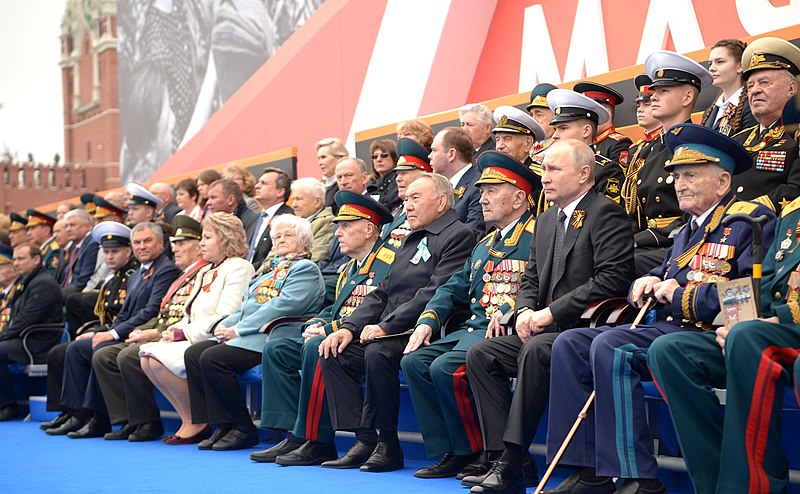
(147, 266)
(702, 218)
(734, 99)
(457, 176)
(272, 209)
(508, 228)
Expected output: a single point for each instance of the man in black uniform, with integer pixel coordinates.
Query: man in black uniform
(39, 301)
(648, 192)
(770, 67)
(589, 260)
(608, 142)
(118, 256)
(437, 246)
(578, 117)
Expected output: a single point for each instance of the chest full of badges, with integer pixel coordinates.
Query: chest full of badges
(355, 298)
(711, 264)
(270, 287)
(176, 308)
(501, 282)
(397, 235)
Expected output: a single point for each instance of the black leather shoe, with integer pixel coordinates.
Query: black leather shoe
(478, 468)
(501, 479)
(354, 458)
(56, 422)
(529, 470)
(72, 424)
(237, 439)
(449, 466)
(9, 412)
(574, 485)
(95, 427)
(385, 458)
(631, 486)
(310, 453)
(218, 434)
(269, 455)
(149, 431)
(121, 433)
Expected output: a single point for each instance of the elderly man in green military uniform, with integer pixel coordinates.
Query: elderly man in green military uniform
(10, 283)
(39, 231)
(127, 391)
(297, 401)
(770, 67)
(17, 232)
(436, 371)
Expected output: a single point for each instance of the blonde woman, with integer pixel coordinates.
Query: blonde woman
(218, 292)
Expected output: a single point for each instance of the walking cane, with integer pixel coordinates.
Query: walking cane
(582, 415)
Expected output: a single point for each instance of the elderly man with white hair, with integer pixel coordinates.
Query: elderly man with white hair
(477, 120)
(308, 201)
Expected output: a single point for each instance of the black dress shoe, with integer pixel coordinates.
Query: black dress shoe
(269, 455)
(310, 453)
(9, 412)
(354, 458)
(149, 431)
(501, 479)
(478, 468)
(448, 466)
(72, 424)
(574, 485)
(121, 433)
(529, 470)
(56, 422)
(218, 434)
(95, 427)
(237, 439)
(385, 458)
(633, 486)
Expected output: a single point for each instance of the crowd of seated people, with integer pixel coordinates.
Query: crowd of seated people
(521, 218)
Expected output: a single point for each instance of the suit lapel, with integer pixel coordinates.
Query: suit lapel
(546, 228)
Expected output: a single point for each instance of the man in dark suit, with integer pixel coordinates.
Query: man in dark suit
(450, 153)
(79, 266)
(477, 121)
(582, 251)
(615, 440)
(81, 393)
(272, 192)
(437, 246)
(39, 301)
(225, 196)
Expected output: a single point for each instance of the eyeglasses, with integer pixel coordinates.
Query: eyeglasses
(380, 155)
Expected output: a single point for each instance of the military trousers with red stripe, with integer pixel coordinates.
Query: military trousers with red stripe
(507, 417)
(295, 400)
(740, 451)
(442, 399)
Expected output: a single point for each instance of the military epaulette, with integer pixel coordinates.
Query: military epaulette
(529, 225)
(602, 160)
(743, 207)
(53, 245)
(385, 255)
(766, 201)
(791, 207)
(617, 136)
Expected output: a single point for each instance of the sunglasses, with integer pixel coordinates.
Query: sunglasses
(380, 155)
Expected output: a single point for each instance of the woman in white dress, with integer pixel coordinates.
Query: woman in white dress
(218, 293)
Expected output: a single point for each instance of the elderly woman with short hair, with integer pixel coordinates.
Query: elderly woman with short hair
(288, 284)
(217, 292)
